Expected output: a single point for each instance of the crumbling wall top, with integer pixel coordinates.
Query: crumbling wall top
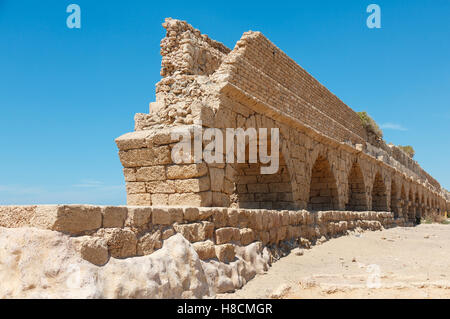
(185, 50)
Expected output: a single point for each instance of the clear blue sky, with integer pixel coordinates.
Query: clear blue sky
(65, 94)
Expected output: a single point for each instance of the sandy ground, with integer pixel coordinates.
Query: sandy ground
(401, 262)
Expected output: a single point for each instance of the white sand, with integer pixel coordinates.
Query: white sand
(402, 262)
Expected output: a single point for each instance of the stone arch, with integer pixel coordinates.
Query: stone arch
(422, 204)
(410, 205)
(394, 198)
(264, 191)
(357, 199)
(417, 205)
(323, 193)
(379, 197)
(403, 202)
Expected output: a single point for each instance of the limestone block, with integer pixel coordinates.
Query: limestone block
(258, 188)
(138, 217)
(266, 219)
(230, 172)
(93, 249)
(161, 216)
(186, 171)
(160, 187)
(225, 253)
(247, 180)
(150, 173)
(241, 188)
(72, 219)
(227, 234)
(308, 217)
(114, 216)
(205, 213)
(263, 236)
(132, 140)
(247, 236)
(189, 231)
(130, 174)
(233, 217)
(293, 218)
(206, 230)
(296, 231)
(220, 217)
(256, 219)
(145, 156)
(135, 187)
(243, 219)
(273, 233)
(281, 233)
(229, 187)
(176, 215)
(148, 243)
(217, 176)
(220, 199)
(284, 217)
(167, 233)
(205, 249)
(191, 214)
(121, 242)
(191, 199)
(192, 185)
(139, 200)
(160, 199)
(195, 231)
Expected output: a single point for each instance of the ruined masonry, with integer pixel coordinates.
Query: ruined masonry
(327, 159)
(194, 230)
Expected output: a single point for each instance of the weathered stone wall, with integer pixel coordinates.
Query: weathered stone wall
(327, 161)
(190, 250)
(215, 232)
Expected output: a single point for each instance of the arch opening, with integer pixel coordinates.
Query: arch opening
(411, 210)
(417, 204)
(404, 202)
(379, 198)
(263, 191)
(394, 199)
(323, 194)
(357, 199)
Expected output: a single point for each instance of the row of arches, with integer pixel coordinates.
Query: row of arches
(362, 197)
(323, 193)
(378, 193)
(324, 196)
(313, 176)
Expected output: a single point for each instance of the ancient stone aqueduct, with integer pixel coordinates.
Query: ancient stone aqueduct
(327, 159)
(333, 177)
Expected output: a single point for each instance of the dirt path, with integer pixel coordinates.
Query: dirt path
(401, 262)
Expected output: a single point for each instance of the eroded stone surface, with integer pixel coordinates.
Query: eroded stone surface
(174, 271)
(328, 161)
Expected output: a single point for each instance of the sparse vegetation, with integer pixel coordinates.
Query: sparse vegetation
(369, 124)
(435, 219)
(408, 149)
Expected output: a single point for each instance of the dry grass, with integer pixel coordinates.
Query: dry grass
(435, 219)
(369, 124)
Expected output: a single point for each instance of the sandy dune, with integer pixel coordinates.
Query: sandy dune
(401, 262)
